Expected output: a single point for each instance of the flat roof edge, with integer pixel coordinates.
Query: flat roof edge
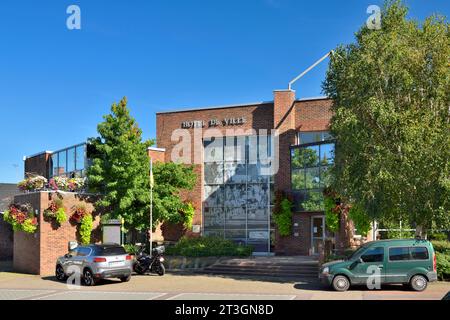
(242, 105)
(217, 107)
(37, 154)
(156, 149)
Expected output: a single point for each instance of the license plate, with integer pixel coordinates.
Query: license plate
(117, 263)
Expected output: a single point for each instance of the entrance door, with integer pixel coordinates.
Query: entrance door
(317, 233)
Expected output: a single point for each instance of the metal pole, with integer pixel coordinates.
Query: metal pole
(151, 206)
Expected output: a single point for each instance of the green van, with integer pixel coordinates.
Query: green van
(408, 261)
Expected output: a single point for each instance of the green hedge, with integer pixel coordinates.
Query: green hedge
(442, 249)
(208, 247)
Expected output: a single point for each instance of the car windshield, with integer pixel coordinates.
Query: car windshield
(110, 251)
(356, 253)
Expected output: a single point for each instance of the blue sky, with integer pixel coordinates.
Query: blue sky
(55, 84)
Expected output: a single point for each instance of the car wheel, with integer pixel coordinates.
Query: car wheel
(88, 278)
(125, 279)
(418, 283)
(59, 273)
(341, 283)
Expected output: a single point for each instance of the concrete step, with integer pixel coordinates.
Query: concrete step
(258, 273)
(298, 268)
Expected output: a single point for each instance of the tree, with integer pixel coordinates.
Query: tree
(120, 172)
(391, 97)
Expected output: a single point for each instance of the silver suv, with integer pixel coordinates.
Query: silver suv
(95, 262)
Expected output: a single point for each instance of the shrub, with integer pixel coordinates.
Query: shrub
(283, 217)
(441, 246)
(207, 247)
(438, 236)
(443, 265)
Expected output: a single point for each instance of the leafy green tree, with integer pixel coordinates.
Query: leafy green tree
(391, 93)
(120, 172)
(170, 178)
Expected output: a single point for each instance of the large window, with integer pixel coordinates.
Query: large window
(310, 163)
(69, 162)
(238, 184)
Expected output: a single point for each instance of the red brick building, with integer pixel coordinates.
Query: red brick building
(233, 197)
(242, 155)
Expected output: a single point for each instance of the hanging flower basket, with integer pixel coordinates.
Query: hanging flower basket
(56, 211)
(21, 218)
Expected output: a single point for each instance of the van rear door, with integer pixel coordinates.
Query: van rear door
(403, 260)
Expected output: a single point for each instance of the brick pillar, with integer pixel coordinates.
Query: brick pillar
(284, 122)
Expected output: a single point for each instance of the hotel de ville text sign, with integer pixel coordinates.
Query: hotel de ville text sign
(213, 123)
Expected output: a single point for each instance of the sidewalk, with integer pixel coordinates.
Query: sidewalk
(197, 287)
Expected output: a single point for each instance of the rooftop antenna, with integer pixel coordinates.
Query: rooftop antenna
(309, 69)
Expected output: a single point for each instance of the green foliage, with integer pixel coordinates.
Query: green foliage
(360, 219)
(131, 248)
(61, 216)
(282, 216)
(120, 171)
(85, 229)
(21, 218)
(438, 236)
(390, 94)
(443, 265)
(441, 246)
(188, 212)
(208, 246)
(331, 217)
(170, 178)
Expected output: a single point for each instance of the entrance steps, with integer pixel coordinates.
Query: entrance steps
(280, 267)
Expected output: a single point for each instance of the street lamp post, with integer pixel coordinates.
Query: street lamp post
(150, 237)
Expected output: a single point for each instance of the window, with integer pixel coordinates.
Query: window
(310, 165)
(408, 253)
(313, 137)
(83, 252)
(69, 162)
(373, 255)
(399, 254)
(419, 253)
(238, 189)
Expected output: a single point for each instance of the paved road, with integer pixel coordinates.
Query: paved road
(197, 287)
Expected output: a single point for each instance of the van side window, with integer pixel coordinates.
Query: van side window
(419, 253)
(408, 253)
(399, 254)
(373, 255)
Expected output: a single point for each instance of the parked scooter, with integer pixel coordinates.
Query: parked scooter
(144, 263)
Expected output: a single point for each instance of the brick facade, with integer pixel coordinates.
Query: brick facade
(38, 164)
(37, 253)
(285, 114)
(6, 240)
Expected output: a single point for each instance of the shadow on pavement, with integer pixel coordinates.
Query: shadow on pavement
(100, 283)
(316, 285)
(259, 278)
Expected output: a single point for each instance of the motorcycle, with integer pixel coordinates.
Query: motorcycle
(154, 263)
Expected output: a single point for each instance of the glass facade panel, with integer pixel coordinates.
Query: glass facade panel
(237, 189)
(310, 165)
(71, 160)
(80, 157)
(54, 164)
(62, 162)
